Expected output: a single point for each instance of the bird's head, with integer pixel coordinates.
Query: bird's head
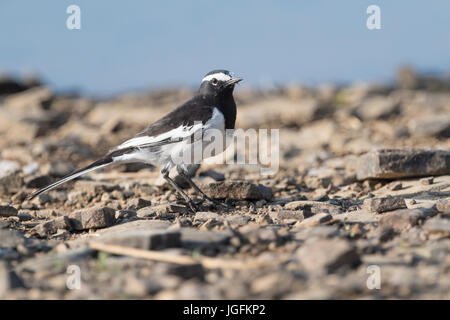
(218, 82)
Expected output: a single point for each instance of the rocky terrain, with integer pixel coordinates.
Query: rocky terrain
(363, 190)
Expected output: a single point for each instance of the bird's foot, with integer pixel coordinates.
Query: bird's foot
(192, 206)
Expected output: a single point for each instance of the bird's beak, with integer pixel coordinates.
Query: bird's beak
(232, 81)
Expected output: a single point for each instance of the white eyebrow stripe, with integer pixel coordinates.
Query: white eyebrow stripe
(219, 76)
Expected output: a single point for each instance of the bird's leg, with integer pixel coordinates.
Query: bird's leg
(200, 191)
(186, 198)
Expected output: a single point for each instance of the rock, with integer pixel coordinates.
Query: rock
(125, 214)
(397, 163)
(24, 216)
(137, 225)
(52, 226)
(144, 239)
(187, 271)
(438, 226)
(320, 256)
(321, 231)
(138, 203)
(287, 214)
(395, 186)
(312, 207)
(443, 205)
(237, 219)
(377, 107)
(380, 205)
(192, 238)
(427, 181)
(316, 134)
(55, 262)
(407, 78)
(8, 211)
(238, 190)
(4, 224)
(8, 281)
(400, 220)
(10, 238)
(9, 85)
(7, 167)
(26, 100)
(92, 218)
(205, 216)
(10, 182)
(431, 126)
(315, 220)
(165, 210)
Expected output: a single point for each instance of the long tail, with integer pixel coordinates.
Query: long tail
(93, 166)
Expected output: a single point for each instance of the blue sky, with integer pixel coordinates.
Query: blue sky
(132, 45)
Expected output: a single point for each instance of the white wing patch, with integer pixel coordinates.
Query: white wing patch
(164, 155)
(175, 134)
(219, 76)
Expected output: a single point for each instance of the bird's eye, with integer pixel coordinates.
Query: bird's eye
(214, 81)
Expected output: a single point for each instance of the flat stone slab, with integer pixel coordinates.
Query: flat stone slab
(384, 204)
(143, 239)
(237, 190)
(193, 238)
(398, 163)
(137, 225)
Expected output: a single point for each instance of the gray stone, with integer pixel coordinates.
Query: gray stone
(7, 167)
(138, 203)
(380, 205)
(238, 190)
(401, 220)
(8, 211)
(427, 181)
(204, 216)
(55, 262)
(238, 219)
(137, 225)
(193, 238)
(92, 218)
(315, 220)
(10, 182)
(312, 207)
(377, 107)
(144, 239)
(287, 214)
(431, 126)
(51, 227)
(167, 210)
(438, 226)
(10, 238)
(24, 216)
(4, 224)
(327, 255)
(443, 205)
(8, 281)
(398, 163)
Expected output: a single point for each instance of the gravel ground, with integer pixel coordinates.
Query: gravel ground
(359, 208)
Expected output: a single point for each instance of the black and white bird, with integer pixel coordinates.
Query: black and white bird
(213, 107)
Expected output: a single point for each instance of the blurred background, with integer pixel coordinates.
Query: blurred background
(124, 46)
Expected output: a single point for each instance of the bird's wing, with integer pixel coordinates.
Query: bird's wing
(178, 125)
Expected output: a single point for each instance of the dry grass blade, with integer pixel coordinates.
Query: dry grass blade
(207, 262)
